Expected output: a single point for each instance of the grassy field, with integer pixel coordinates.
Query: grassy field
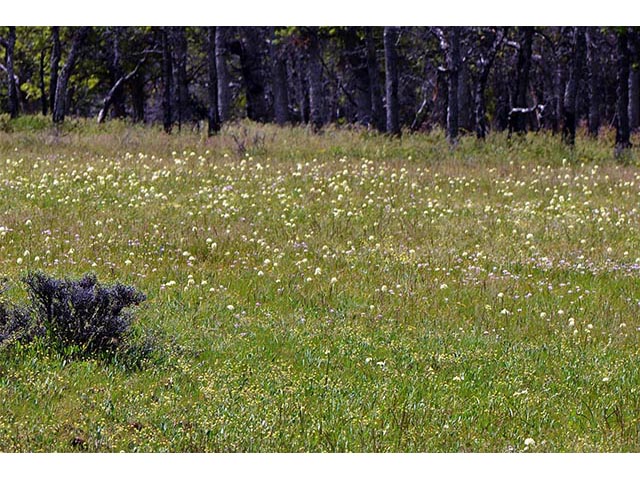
(334, 292)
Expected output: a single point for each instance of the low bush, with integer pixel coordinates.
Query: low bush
(16, 325)
(82, 314)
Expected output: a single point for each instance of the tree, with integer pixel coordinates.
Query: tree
(377, 110)
(623, 141)
(60, 105)
(634, 80)
(13, 89)
(571, 90)
(180, 50)
(56, 53)
(483, 66)
(167, 80)
(391, 82)
(278, 79)
(594, 79)
(314, 72)
(224, 94)
(356, 56)
(253, 73)
(522, 77)
(450, 45)
(213, 116)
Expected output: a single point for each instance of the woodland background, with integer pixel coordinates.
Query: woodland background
(462, 79)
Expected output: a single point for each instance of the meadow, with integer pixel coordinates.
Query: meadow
(341, 292)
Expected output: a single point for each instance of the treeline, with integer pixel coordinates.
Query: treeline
(462, 79)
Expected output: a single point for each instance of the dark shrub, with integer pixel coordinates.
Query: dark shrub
(82, 313)
(16, 325)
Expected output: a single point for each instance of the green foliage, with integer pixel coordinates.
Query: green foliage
(336, 292)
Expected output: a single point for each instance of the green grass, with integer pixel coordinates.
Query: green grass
(335, 292)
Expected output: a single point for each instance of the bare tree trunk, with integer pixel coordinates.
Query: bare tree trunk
(484, 68)
(180, 51)
(212, 87)
(634, 82)
(522, 82)
(622, 125)
(634, 97)
(316, 88)
(355, 52)
(116, 90)
(391, 74)
(56, 52)
(571, 90)
(13, 89)
(253, 74)
(279, 81)
(300, 84)
(593, 63)
(138, 97)
(60, 106)
(224, 95)
(167, 80)
(450, 45)
(43, 91)
(464, 107)
(377, 110)
(116, 72)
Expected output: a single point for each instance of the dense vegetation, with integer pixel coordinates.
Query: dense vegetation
(346, 291)
(462, 79)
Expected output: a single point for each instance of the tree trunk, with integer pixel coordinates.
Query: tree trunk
(571, 90)
(484, 68)
(138, 97)
(116, 91)
(377, 110)
(634, 82)
(593, 64)
(116, 73)
(212, 87)
(224, 94)
(13, 88)
(253, 74)
(301, 85)
(355, 52)
(56, 52)
(316, 88)
(180, 51)
(43, 89)
(279, 81)
(60, 105)
(464, 107)
(622, 113)
(167, 80)
(450, 44)
(522, 82)
(391, 79)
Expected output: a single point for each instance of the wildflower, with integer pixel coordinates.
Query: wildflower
(317, 271)
(334, 280)
(529, 442)
(230, 308)
(444, 286)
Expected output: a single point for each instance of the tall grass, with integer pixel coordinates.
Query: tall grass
(336, 292)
